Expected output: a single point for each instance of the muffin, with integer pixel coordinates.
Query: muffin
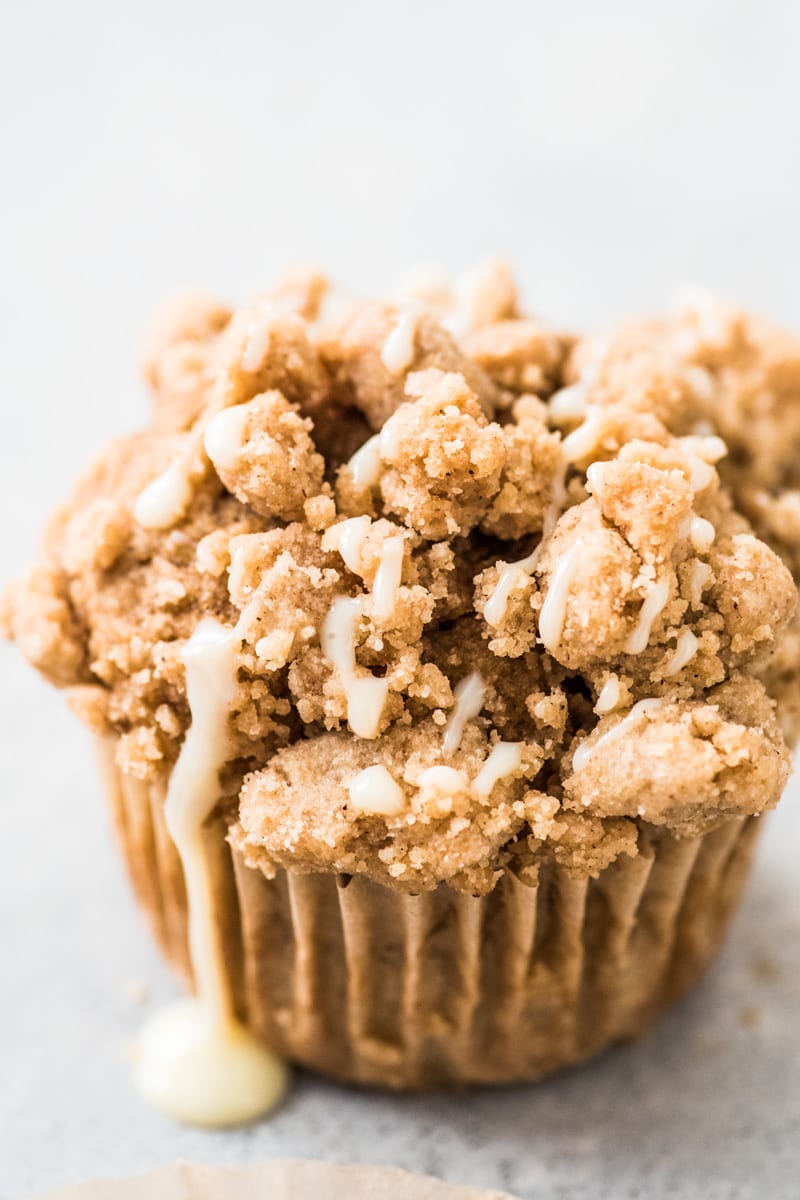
(459, 651)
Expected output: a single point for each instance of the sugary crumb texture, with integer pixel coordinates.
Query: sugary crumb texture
(573, 524)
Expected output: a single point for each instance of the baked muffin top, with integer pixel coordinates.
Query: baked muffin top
(502, 594)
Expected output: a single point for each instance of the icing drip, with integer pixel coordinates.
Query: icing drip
(259, 335)
(701, 473)
(348, 539)
(443, 781)
(608, 699)
(374, 790)
(365, 465)
(654, 604)
(685, 651)
(583, 441)
(166, 498)
(554, 609)
(365, 694)
(387, 578)
(509, 574)
(469, 696)
(397, 353)
(701, 534)
(225, 436)
(505, 758)
(387, 438)
(196, 1062)
(587, 751)
(568, 404)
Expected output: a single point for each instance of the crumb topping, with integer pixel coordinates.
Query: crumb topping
(505, 595)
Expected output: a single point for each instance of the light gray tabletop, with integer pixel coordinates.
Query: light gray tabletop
(613, 151)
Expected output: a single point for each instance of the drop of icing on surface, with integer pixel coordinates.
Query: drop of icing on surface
(387, 578)
(397, 352)
(654, 604)
(195, 1061)
(554, 608)
(469, 695)
(374, 790)
(609, 696)
(685, 650)
(365, 694)
(365, 465)
(225, 436)
(504, 759)
(165, 499)
(202, 1071)
(586, 751)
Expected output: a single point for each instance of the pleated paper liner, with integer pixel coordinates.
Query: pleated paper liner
(440, 989)
(280, 1179)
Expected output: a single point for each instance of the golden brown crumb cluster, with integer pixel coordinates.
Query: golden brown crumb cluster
(542, 585)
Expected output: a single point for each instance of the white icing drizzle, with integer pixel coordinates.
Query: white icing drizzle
(387, 577)
(348, 539)
(469, 694)
(609, 696)
(583, 441)
(259, 335)
(443, 781)
(586, 750)
(554, 609)
(708, 448)
(374, 790)
(365, 694)
(387, 438)
(701, 473)
(685, 650)
(653, 604)
(397, 352)
(166, 498)
(505, 758)
(509, 574)
(701, 534)
(568, 404)
(699, 577)
(195, 1061)
(365, 465)
(225, 436)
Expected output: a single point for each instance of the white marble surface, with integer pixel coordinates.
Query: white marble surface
(614, 151)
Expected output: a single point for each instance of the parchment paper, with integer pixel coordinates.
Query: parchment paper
(281, 1179)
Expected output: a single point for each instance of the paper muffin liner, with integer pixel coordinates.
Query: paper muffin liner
(376, 986)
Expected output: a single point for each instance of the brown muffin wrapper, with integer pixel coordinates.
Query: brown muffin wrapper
(375, 986)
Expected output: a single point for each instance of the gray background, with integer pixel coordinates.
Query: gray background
(614, 152)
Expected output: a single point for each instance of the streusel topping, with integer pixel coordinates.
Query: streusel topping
(501, 594)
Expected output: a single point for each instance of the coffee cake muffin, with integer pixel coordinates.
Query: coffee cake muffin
(447, 661)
